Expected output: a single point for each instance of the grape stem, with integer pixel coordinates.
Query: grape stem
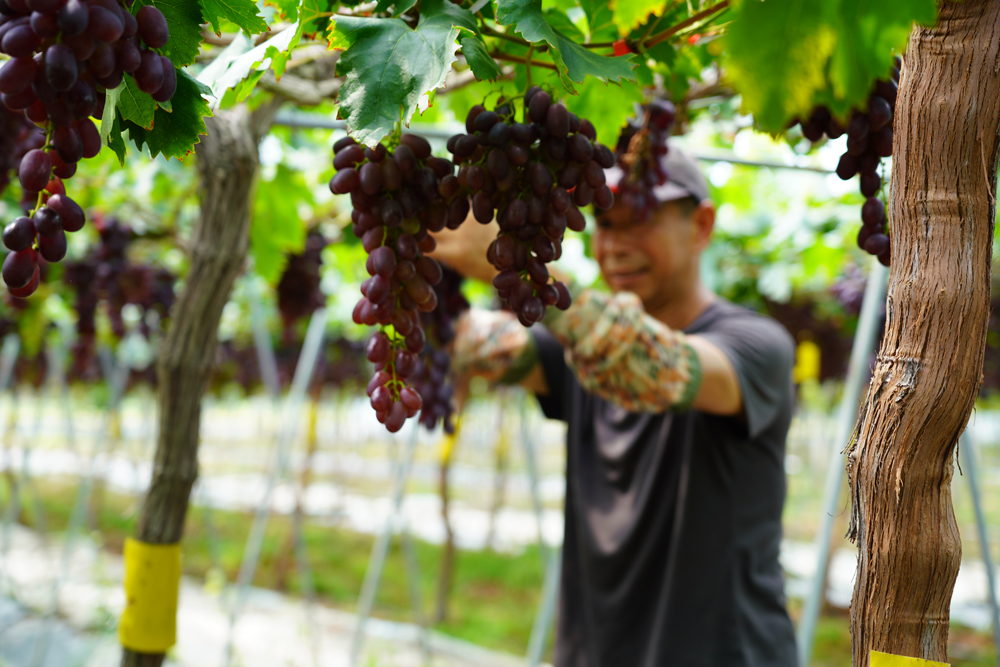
(527, 84)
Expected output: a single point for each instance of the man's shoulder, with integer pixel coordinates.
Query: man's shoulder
(726, 319)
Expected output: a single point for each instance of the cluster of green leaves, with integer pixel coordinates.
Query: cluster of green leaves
(787, 57)
(172, 128)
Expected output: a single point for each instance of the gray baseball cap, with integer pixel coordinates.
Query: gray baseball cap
(684, 178)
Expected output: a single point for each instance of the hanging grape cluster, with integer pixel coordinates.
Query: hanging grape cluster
(397, 200)
(533, 176)
(869, 139)
(298, 290)
(639, 154)
(64, 55)
(107, 276)
(431, 378)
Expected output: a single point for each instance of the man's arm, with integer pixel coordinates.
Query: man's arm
(624, 355)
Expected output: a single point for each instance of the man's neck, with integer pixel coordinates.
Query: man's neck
(679, 314)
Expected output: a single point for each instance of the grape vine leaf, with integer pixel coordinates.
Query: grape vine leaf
(242, 13)
(573, 61)
(473, 45)
(389, 68)
(131, 103)
(600, 20)
(184, 20)
(630, 14)
(245, 67)
(608, 110)
(785, 57)
(175, 133)
(276, 228)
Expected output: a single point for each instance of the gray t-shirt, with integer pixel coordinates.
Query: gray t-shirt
(673, 520)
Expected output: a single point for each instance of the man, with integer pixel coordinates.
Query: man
(678, 405)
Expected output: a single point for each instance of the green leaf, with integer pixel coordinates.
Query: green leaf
(184, 20)
(559, 21)
(277, 228)
(115, 141)
(389, 69)
(175, 133)
(473, 45)
(600, 20)
(273, 53)
(397, 7)
(243, 13)
(132, 103)
(573, 61)
(630, 14)
(786, 57)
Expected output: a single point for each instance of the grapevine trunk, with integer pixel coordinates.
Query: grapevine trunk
(227, 166)
(930, 363)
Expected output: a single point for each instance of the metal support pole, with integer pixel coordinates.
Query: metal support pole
(288, 428)
(546, 610)
(967, 458)
(380, 548)
(864, 340)
(532, 463)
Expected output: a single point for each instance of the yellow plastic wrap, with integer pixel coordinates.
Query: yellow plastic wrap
(152, 582)
(879, 659)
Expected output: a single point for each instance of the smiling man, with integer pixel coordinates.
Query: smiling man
(678, 405)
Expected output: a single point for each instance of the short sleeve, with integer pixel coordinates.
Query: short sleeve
(558, 377)
(762, 354)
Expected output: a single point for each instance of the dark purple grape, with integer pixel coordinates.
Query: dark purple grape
(381, 399)
(392, 177)
(594, 174)
(169, 87)
(877, 244)
(580, 148)
(44, 6)
(406, 363)
(47, 222)
(496, 162)
(60, 67)
(575, 219)
(384, 261)
(149, 76)
(152, 27)
(858, 127)
(343, 143)
(344, 181)
(20, 42)
(72, 215)
(863, 235)
(887, 90)
(471, 118)
(104, 26)
(429, 268)
(583, 194)
(603, 156)
(131, 25)
(52, 248)
(378, 349)
(603, 198)
(482, 208)
(420, 147)
(538, 108)
(35, 170)
(465, 145)
(405, 159)
(847, 167)
(44, 25)
(371, 178)
(67, 144)
(350, 156)
(870, 183)
(873, 212)
(557, 121)
(504, 251)
(498, 135)
(523, 133)
(376, 154)
(533, 309)
(485, 121)
(21, 101)
(565, 300)
(879, 113)
(16, 75)
(102, 62)
(73, 18)
(539, 177)
(19, 268)
(409, 398)
(19, 234)
(881, 141)
(555, 148)
(396, 418)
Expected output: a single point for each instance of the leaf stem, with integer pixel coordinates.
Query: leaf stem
(502, 35)
(686, 23)
(497, 55)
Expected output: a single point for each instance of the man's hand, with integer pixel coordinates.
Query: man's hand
(464, 249)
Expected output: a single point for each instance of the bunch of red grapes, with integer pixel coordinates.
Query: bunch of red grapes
(298, 290)
(869, 139)
(107, 276)
(533, 176)
(64, 55)
(639, 154)
(397, 201)
(431, 378)
(17, 137)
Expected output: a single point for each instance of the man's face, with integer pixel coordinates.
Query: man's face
(657, 258)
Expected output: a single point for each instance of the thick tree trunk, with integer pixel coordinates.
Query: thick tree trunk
(930, 362)
(227, 167)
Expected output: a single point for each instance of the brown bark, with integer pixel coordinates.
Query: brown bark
(227, 166)
(930, 362)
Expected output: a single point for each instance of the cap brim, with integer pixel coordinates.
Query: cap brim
(669, 191)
